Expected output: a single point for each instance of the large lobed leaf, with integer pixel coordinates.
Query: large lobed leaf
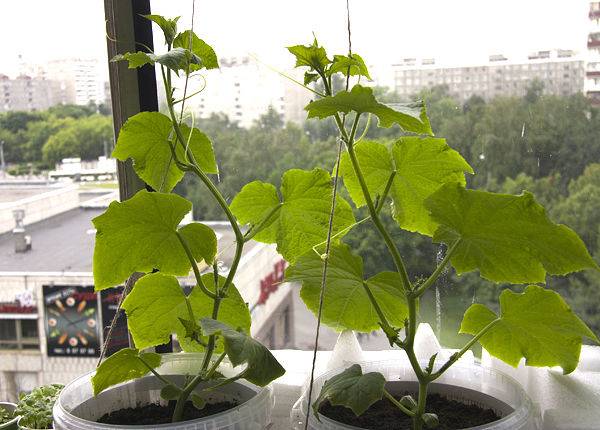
(122, 366)
(146, 138)
(140, 234)
(261, 366)
(346, 304)
(352, 389)
(156, 308)
(409, 116)
(300, 220)
(422, 165)
(508, 238)
(536, 324)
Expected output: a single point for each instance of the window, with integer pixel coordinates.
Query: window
(19, 334)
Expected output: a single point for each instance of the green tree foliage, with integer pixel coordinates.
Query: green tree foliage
(86, 138)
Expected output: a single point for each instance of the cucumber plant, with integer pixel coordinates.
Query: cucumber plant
(506, 238)
(143, 235)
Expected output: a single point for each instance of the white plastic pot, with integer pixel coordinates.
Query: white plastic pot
(12, 424)
(78, 409)
(472, 384)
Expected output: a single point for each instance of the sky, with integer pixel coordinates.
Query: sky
(383, 31)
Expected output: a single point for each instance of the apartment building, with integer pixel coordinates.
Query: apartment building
(244, 90)
(560, 71)
(25, 93)
(78, 80)
(592, 69)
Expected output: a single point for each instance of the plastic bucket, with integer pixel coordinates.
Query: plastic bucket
(471, 384)
(77, 408)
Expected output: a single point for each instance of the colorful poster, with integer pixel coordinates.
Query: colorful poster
(119, 338)
(72, 321)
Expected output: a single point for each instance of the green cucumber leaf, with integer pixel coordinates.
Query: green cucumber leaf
(140, 234)
(302, 218)
(355, 65)
(508, 238)
(536, 324)
(352, 389)
(201, 49)
(346, 304)
(410, 117)
(146, 139)
(157, 305)
(262, 367)
(122, 366)
(312, 56)
(168, 26)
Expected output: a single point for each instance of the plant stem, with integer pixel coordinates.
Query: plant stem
(154, 372)
(456, 356)
(417, 417)
(197, 274)
(398, 404)
(255, 229)
(389, 331)
(239, 237)
(386, 191)
(438, 271)
(393, 249)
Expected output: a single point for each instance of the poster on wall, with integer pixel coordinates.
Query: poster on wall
(119, 338)
(72, 321)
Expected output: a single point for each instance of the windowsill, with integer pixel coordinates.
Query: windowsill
(565, 401)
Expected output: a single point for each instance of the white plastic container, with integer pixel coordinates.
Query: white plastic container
(12, 424)
(473, 384)
(78, 409)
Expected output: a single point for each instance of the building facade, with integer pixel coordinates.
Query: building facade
(592, 68)
(560, 71)
(26, 93)
(78, 80)
(244, 90)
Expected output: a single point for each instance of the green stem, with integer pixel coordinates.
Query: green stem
(377, 221)
(456, 356)
(197, 274)
(389, 331)
(386, 191)
(398, 404)
(255, 229)
(364, 133)
(213, 368)
(340, 233)
(417, 417)
(438, 271)
(154, 372)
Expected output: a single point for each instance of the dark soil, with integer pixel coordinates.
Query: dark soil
(161, 414)
(453, 415)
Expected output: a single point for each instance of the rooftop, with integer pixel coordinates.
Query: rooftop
(65, 243)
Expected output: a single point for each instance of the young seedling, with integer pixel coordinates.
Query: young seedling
(5, 416)
(35, 408)
(507, 238)
(143, 235)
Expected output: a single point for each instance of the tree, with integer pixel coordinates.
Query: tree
(86, 138)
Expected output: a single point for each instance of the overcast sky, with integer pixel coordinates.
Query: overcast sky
(384, 31)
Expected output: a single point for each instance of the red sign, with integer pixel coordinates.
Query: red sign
(16, 308)
(270, 283)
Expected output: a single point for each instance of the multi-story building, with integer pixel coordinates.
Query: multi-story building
(79, 80)
(244, 90)
(52, 323)
(560, 71)
(25, 93)
(592, 69)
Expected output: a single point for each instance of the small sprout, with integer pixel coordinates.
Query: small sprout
(408, 402)
(170, 392)
(431, 420)
(324, 256)
(198, 401)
